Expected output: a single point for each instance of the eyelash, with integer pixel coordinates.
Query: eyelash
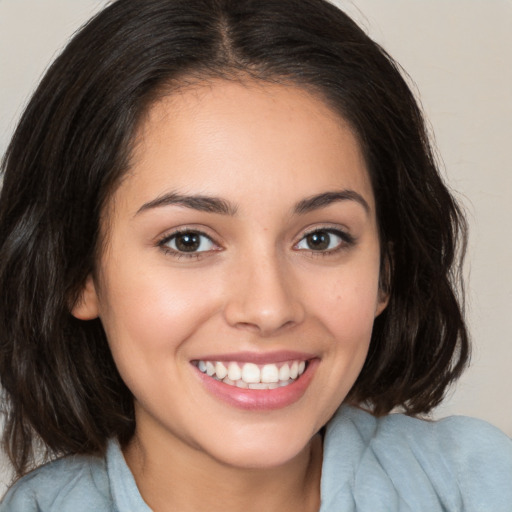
(163, 244)
(346, 241)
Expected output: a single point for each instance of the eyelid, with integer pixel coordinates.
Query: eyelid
(164, 239)
(347, 239)
(331, 228)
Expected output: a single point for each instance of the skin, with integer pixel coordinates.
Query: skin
(257, 287)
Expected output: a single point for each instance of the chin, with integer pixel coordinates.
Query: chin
(265, 448)
(264, 458)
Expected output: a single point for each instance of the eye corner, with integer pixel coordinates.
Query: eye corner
(324, 241)
(188, 242)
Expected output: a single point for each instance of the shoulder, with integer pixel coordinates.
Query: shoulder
(457, 438)
(459, 463)
(78, 483)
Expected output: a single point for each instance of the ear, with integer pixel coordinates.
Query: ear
(382, 302)
(384, 282)
(86, 307)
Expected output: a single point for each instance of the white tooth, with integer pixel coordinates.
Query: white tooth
(294, 370)
(258, 385)
(210, 369)
(250, 373)
(220, 370)
(269, 373)
(241, 384)
(284, 372)
(273, 385)
(228, 381)
(202, 366)
(302, 367)
(234, 372)
(283, 383)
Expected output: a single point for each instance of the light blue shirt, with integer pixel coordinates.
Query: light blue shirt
(389, 464)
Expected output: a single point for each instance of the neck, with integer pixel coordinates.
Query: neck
(177, 478)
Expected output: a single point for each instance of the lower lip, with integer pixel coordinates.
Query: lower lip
(261, 399)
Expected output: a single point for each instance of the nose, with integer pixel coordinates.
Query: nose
(263, 297)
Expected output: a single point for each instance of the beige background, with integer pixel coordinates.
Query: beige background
(459, 53)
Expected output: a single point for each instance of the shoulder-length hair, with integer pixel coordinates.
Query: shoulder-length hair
(72, 147)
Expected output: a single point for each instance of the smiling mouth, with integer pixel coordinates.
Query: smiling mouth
(251, 375)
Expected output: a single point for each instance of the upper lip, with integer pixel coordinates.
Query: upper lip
(259, 357)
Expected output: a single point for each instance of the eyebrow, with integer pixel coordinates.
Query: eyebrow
(195, 202)
(327, 198)
(221, 206)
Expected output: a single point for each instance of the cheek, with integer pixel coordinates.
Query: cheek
(154, 311)
(347, 303)
(344, 306)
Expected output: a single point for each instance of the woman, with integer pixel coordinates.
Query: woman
(220, 222)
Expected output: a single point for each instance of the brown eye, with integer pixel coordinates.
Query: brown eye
(318, 241)
(323, 240)
(189, 241)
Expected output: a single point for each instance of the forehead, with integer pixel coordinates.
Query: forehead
(219, 137)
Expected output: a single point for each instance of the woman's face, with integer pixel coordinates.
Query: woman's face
(241, 245)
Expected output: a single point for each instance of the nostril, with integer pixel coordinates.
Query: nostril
(266, 302)
(265, 329)
(248, 326)
(288, 324)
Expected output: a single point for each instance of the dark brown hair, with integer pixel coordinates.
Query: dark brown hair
(72, 146)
